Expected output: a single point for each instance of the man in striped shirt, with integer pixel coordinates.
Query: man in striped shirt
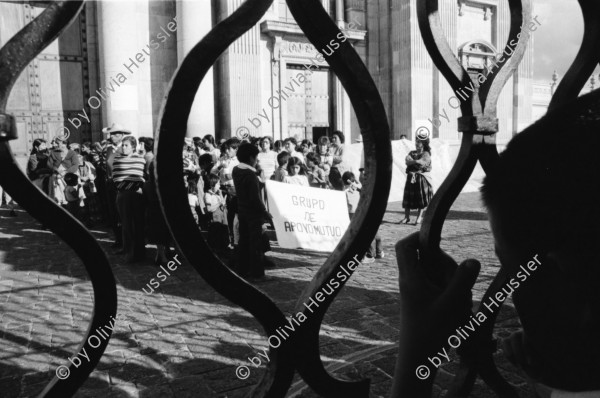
(128, 177)
(116, 133)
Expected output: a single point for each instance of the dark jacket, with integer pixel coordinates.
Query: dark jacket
(247, 186)
(70, 162)
(37, 166)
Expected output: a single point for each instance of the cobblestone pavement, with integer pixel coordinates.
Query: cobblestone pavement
(184, 340)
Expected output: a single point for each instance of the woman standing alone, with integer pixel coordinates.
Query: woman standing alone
(418, 190)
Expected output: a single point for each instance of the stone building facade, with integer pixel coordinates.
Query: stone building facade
(114, 64)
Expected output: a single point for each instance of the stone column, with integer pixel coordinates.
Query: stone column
(339, 13)
(125, 92)
(195, 21)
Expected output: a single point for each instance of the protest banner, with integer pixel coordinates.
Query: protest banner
(307, 218)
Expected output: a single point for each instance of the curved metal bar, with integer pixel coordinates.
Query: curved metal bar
(366, 101)
(586, 60)
(479, 126)
(14, 56)
(173, 197)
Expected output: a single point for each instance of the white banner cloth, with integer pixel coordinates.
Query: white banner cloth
(307, 218)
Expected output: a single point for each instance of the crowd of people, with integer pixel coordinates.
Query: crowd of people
(112, 183)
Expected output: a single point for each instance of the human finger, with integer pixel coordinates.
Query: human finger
(462, 281)
(407, 256)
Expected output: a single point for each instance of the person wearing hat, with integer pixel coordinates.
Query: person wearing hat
(115, 133)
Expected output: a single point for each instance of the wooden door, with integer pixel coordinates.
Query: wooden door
(308, 105)
(53, 87)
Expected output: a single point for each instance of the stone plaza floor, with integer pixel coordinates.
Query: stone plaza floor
(185, 340)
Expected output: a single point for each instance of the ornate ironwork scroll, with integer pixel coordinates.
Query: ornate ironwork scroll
(173, 197)
(347, 65)
(14, 57)
(302, 349)
(479, 126)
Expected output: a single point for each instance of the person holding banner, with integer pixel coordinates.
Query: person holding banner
(252, 213)
(317, 178)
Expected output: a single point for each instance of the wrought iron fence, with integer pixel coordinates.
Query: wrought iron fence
(478, 124)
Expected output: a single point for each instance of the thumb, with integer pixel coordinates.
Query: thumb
(463, 280)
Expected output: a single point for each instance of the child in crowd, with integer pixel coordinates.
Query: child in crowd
(190, 159)
(324, 154)
(296, 174)
(281, 172)
(193, 200)
(352, 189)
(224, 169)
(218, 233)
(252, 214)
(91, 211)
(58, 185)
(74, 196)
(215, 202)
(316, 175)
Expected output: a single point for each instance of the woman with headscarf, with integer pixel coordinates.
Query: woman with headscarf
(418, 190)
